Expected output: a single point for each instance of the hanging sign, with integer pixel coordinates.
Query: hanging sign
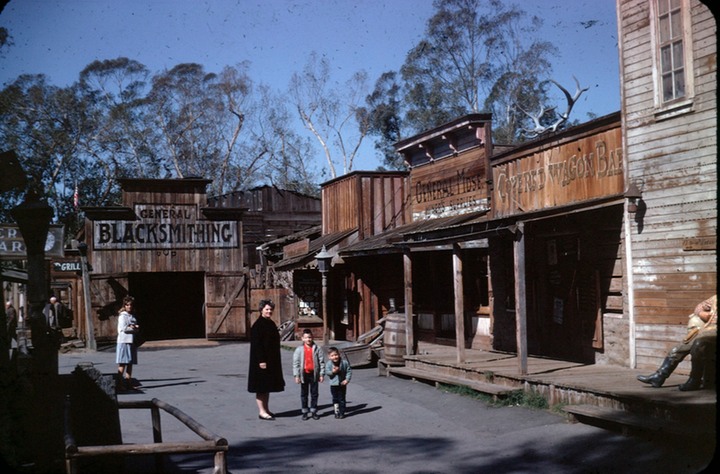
(12, 245)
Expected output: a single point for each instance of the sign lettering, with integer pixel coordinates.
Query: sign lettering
(165, 227)
(569, 173)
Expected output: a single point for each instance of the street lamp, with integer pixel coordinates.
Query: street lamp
(323, 259)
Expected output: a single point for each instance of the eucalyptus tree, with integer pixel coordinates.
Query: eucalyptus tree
(120, 141)
(41, 124)
(333, 114)
(476, 56)
(199, 117)
(385, 106)
(287, 165)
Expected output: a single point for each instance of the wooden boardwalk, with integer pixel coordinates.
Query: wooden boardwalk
(596, 394)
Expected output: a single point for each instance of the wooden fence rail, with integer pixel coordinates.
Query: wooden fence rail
(210, 443)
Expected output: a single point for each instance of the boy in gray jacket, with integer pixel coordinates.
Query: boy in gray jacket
(339, 374)
(308, 370)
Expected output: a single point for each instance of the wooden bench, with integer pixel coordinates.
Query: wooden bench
(496, 391)
(210, 442)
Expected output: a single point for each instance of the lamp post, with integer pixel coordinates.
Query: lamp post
(33, 219)
(323, 259)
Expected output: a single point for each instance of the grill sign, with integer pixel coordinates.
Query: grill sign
(66, 266)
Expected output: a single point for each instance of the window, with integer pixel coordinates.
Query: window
(672, 58)
(672, 66)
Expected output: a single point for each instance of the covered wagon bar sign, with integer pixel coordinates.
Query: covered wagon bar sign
(165, 226)
(559, 174)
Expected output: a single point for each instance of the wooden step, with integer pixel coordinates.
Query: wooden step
(496, 391)
(627, 422)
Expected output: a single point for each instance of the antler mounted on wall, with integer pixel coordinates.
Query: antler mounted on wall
(571, 99)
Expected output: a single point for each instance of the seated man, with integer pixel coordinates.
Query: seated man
(702, 327)
(702, 373)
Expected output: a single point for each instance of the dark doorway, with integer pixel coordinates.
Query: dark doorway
(169, 305)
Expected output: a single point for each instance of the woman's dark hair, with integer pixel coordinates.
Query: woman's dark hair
(264, 303)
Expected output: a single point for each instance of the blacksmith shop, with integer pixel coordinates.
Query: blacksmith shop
(185, 258)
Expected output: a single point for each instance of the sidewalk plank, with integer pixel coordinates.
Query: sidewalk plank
(497, 391)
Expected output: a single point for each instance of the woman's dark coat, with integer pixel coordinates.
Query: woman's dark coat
(265, 347)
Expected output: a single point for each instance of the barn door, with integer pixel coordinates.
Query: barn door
(106, 295)
(226, 297)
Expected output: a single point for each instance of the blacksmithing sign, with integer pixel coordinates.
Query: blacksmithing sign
(165, 226)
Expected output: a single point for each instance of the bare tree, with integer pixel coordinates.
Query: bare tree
(333, 115)
(287, 165)
(199, 117)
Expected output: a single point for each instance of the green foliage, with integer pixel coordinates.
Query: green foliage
(119, 121)
(477, 56)
(525, 399)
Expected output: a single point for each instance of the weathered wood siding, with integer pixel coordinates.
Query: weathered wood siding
(672, 156)
(372, 202)
(269, 213)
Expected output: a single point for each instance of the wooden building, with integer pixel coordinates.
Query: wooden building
(668, 72)
(446, 187)
(270, 213)
(562, 198)
(590, 244)
(515, 249)
(354, 208)
(183, 257)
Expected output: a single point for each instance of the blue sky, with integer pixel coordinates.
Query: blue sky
(60, 37)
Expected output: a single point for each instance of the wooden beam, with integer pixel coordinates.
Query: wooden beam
(520, 298)
(459, 303)
(409, 318)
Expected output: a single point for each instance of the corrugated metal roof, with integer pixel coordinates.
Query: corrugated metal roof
(329, 241)
(386, 242)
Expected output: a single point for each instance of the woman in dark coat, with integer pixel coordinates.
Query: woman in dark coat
(265, 374)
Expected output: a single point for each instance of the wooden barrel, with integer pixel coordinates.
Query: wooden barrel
(394, 338)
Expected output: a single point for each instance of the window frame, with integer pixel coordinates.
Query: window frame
(678, 105)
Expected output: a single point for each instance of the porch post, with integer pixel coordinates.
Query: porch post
(409, 320)
(520, 303)
(459, 304)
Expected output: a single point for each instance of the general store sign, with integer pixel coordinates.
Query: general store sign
(12, 245)
(165, 226)
(573, 172)
(449, 187)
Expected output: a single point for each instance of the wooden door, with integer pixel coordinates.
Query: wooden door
(106, 295)
(226, 305)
